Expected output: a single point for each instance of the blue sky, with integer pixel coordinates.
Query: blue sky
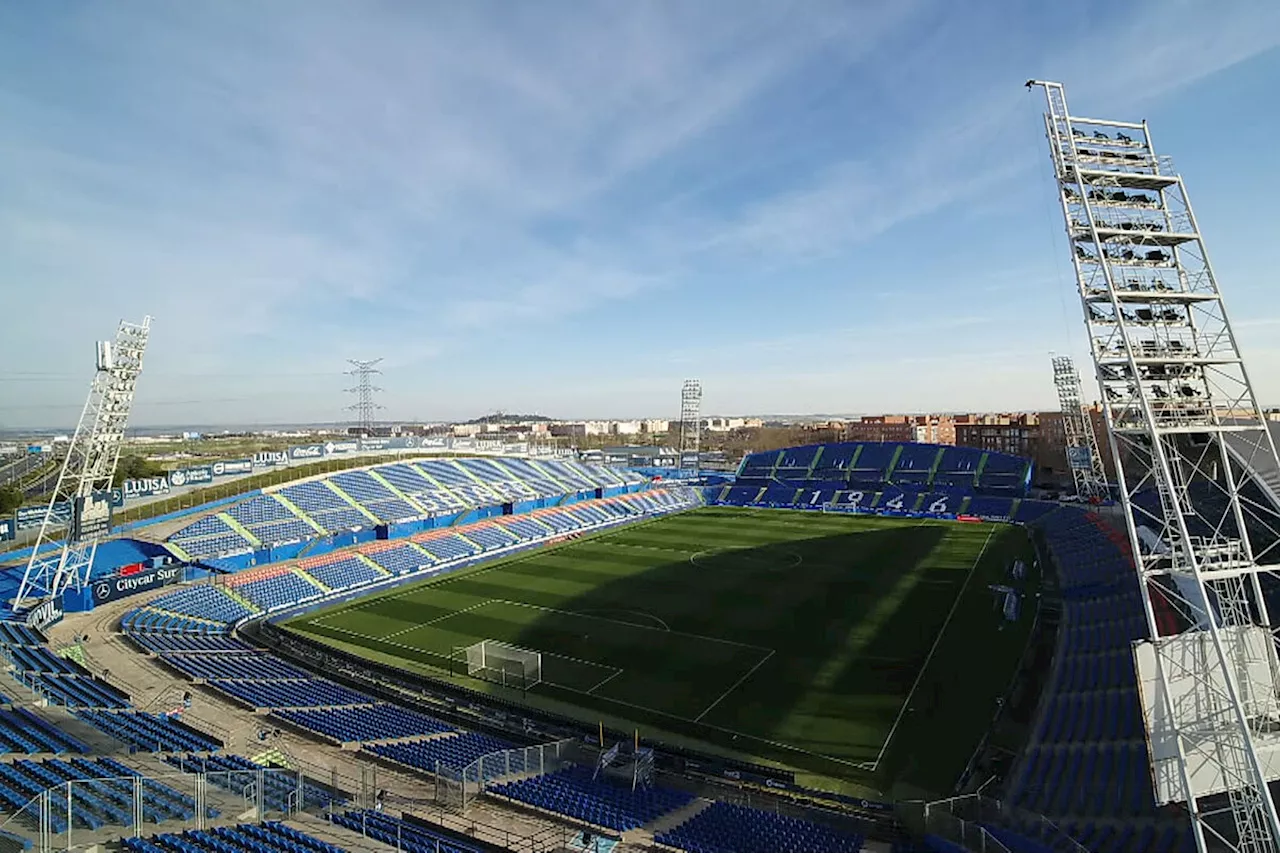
(568, 207)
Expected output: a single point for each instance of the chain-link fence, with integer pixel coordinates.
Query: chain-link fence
(458, 787)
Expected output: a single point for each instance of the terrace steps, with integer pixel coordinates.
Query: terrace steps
(547, 472)
(337, 490)
(390, 487)
(479, 480)
(424, 474)
(311, 580)
(179, 551)
(239, 599)
(371, 564)
(240, 528)
(296, 510)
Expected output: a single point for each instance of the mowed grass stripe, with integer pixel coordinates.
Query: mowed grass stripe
(836, 613)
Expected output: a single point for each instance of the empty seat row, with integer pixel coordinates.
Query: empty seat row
(150, 732)
(375, 722)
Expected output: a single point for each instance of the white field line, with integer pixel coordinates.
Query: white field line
(748, 737)
(606, 680)
(936, 641)
(734, 686)
(438, 619)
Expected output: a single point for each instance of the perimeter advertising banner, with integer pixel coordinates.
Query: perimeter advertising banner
(305, 452)
(270, 458)
(6, 529)
(132, 580)
(31, 516)
(146, 487)
(196, 476)
(334, 448)
(45, 615)
(232, 467)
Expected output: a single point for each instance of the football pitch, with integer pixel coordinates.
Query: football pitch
(863, 651)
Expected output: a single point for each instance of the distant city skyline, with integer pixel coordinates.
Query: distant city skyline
(569, 209)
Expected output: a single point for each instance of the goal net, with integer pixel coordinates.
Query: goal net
(503, 663)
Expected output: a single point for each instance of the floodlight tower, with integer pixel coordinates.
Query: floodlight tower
(1175, 391)
(88, 470)
(1082, 445)
(690, 424)
(364, 407)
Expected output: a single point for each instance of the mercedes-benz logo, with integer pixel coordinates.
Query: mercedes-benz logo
(103, 590)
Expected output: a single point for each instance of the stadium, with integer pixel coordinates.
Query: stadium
(430, 644)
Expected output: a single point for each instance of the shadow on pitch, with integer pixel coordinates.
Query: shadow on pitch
(841, 614)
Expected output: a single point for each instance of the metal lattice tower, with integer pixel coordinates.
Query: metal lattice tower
(1187, 433)
(690, 424)
(1082, 445)
(87, 471)
(364, 407)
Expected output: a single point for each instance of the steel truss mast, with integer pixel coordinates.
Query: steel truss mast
(85, 480)
(1187, 435)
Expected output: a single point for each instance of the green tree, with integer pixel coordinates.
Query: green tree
(10, 499)
(135, 468)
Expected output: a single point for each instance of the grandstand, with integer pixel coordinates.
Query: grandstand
(388, 494)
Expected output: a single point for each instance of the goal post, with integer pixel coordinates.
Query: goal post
(503, 663)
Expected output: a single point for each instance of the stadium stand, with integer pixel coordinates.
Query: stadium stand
(269, 837)
(454, 751)
(104, 795)
(727, 828)
(404, 834)
(252, 667)
(574, 792)
(235, 773)
(1086, 765)
(888, 479)
(369, 723)
(385, 493)
(23, 732)
(212, 608)
(311, 693)
(150, 732)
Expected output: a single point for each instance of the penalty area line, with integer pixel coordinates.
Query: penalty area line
(605, 681)
(937, 641)
(734, 686)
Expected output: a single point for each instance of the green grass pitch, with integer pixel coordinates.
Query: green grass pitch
(865, 653)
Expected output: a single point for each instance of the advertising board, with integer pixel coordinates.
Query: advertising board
(306, 451)
(6, 529)
(146, 487)
(232, 467)
(333, 448)
(48, 613)
(196, 476)
(132, 580)
(367, 444)
(31, 516)
(91, 515)
(270, 458)
(1079, 458)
